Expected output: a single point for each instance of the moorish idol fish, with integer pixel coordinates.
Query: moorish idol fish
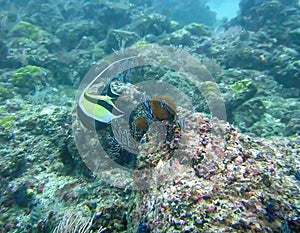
(94, 110)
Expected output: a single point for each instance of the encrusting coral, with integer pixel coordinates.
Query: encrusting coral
(218, 180)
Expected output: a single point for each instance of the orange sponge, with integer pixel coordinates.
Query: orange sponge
(163, 107)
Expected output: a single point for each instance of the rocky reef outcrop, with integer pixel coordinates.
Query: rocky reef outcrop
(219, 180)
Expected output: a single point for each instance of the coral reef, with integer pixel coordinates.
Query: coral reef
(219, 180)
(280, 40)
(117, 39)
(153, 24)
(197, 174)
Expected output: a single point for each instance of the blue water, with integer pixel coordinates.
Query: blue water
(224, 8)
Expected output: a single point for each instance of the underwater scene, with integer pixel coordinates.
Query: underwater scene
(141, 116)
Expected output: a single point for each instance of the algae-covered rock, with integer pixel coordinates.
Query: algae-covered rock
(277, 17)
(6, 122)
(19, 78)
(40, 166)
(240, 86)
(27, 30)
(285, 66)
(30, 77)
(110, 14)
(293, 126)
(247, 57)
(46, 15)
(71, 33)
(276, 115)
(117, 39)
(155, 24)
(250, 112)
(3, 51)
(5, 93)
(180, 37)
(219, 180)
(289, 75)
(197, 29)
(241, 91)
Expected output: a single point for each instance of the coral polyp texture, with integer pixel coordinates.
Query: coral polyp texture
(219, 180)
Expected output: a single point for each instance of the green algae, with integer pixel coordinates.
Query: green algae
(5, 94)
(174, 24)
(23, 40)
(26, 29)
(241, 86)
(24, 74)
(197, 29)
(6, 122)
(179, 37)
(141, 43)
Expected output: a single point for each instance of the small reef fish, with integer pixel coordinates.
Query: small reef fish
(95, 110)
